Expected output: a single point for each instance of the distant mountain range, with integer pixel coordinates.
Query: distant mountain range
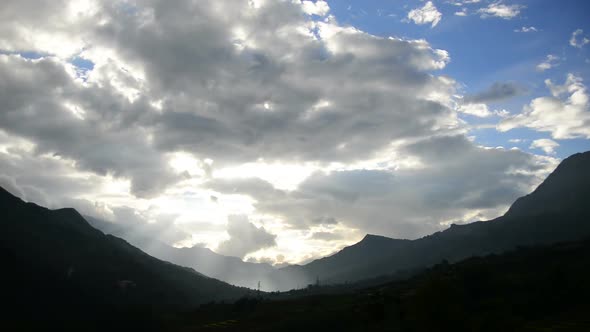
(229, 269)
(56, 267)
(556, 211)
(55, 259)
(544, 288)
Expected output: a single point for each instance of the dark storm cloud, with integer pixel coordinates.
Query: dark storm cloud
(498, 91)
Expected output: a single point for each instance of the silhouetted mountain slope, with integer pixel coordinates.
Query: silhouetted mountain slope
(56, 267)
(229, 269)
(528, 289)
(556, 211)
(346, 261)
(566, 189)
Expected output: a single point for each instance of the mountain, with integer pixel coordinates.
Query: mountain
(566, 189)
(347, 261)
(56, 267)
(556, 211)
(528, 289)
(226, 268)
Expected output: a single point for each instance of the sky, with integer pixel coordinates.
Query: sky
(282, 131)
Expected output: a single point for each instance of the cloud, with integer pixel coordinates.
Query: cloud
(454, 180)
(9, 184)
(548, 146)
(527, 29)
(45, 27)
(54, 182)
(37, 98)
(499, 9)
(228, 84)
(425, 15)
(498, 91)
(565, 114)
(292, 84)
(517, 140)
(264, 190)
(550, 62)
(154, 93)
(244, 237)
(326, 236)
(463, 12)
(43, 179)
(319, 8)
(479, 110)
(144, 228)
(578, 40)
(462, 2)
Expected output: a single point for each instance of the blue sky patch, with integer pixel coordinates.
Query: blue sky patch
(485, 48)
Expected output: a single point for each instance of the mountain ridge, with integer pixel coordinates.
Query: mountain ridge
(554, 211)
(207, 262)
(55, 260)
(556, 184)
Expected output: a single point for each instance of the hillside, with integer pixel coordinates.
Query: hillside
(57, 268)
(529, 289)
(556, 211)
(229, 269)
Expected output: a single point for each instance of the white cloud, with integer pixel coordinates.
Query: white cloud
(527, 29)
(462, 2)
(499, 9)
(564, 118)
(425, 15)
(152, 103)
(578, 40)
(550, 62)
(153, 118)
(45, 27)
(463, 12)
(405, 202)
(479, 110)
(502, 113)
(319, 7)
(176, 98)
(545, 144)
(244, 238)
